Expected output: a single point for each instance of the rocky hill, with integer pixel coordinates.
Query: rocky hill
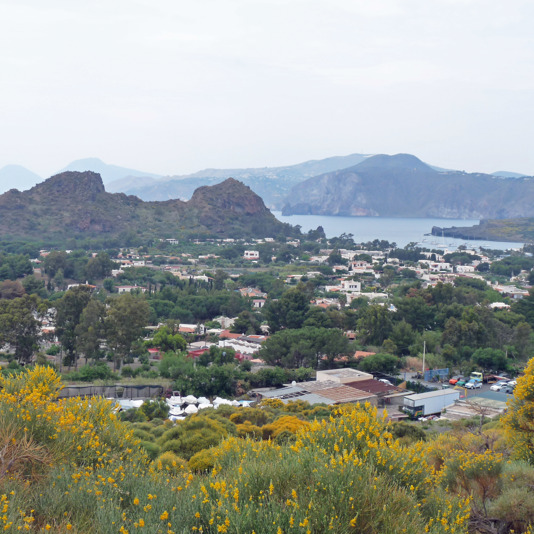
(404, 186)
(76, 205)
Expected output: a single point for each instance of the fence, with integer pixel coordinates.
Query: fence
(436, 374)
(116, 391)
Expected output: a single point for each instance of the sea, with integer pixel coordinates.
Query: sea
(395, 230)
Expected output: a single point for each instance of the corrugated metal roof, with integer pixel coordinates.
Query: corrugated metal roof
(344, 373)
(292, 390)
(345, 394)
(431, 394)
(374, 386)
(312, 398)
(314, 385)
(319, 392)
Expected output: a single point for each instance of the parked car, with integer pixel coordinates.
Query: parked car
(512, 383)
(473, 384)
(507, 389)
(461, 382)
(385, 381)
(455, 379)
(499, 385)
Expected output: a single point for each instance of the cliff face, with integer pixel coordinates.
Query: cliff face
(74, 204)
(404, 186)
(231, 196)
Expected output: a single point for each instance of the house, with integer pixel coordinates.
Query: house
(154, 353)
(342, 376)
(362, 354)
(129, 289)
(252, 292)
(351, 285)
(251, 255)
(198, 329)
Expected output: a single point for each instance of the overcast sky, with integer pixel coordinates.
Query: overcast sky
(172, 87)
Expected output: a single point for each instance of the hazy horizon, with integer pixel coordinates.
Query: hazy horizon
(172, 89)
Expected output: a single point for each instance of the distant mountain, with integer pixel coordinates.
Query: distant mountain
(507, 174)
(109, 173)
(404, 186)
(17, 177)
(76, 205)
(271, 183)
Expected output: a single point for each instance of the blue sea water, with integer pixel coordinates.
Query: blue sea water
(399, 230)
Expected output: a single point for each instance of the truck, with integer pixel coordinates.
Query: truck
(490, 379)
(479, 377)
(430, 403)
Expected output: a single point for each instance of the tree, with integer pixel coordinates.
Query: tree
(53, 262)
(247, 323)
(304, 347)
(518, 421)
(167, 340)
(335, 258)
(127, 315)
(99, 267)
(11, 290)
(402, 336)
(90, 330)
(69, 311)
(34, 285)
(380, 363)
(387, 275)
(219, 279)
(19, 324)
(375, 324)
(490, 359)
(289, 311)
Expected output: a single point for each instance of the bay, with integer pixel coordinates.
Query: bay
(399, 230)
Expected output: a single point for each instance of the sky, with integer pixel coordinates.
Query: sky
(174, 87)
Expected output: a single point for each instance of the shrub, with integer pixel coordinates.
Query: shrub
(143, 435)
(155, 408)
(151, 449)
(251, 415)
(202, 461)
(170, 463)
(286, 423)
(53, 350)
(132, 415)
(248, 430)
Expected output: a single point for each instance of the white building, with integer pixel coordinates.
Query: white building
(251, 255)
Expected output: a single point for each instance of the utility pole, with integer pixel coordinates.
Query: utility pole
(424, 353)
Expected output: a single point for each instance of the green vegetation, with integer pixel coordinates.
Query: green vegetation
(271, 468)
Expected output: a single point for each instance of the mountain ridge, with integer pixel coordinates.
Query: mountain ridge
(76, 205)
(404, 186)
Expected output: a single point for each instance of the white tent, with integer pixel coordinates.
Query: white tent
(191, 409)
(219, 401)
(174, 401)
(190, 399)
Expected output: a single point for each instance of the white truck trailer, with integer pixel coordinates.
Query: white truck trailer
(433, 402)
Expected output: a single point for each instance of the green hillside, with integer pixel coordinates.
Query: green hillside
(76, 205)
